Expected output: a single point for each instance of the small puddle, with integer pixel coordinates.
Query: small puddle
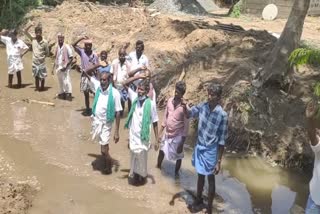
(61, 192)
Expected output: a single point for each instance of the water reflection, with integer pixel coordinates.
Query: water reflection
(247, 185)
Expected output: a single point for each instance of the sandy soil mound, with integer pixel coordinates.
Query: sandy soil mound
(269, 123)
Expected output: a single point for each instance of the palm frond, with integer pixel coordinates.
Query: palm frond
(304, 56)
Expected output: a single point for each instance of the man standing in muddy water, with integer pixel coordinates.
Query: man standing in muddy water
(174, 129)
(15, 48)
(142, 114)
(106, 107)
(312, 112)
(40, 49)
(62, 65)
(88, 59)
(212, 134)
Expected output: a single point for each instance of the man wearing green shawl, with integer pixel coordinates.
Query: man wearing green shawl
(142, 114)
(106, 104)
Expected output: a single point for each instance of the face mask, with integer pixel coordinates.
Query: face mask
(142, 98)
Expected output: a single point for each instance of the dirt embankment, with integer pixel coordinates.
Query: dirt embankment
(268, 123)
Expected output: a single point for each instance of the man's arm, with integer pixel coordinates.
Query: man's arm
(311, 120)
(27, 33)
(155, 129)
(132, 79)
(116, 131)
(90, 70)
(223, 130)
(75, 44)
(134, 71)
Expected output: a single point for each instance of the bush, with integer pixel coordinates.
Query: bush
(13, 11)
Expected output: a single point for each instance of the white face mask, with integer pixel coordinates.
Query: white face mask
(142, 98)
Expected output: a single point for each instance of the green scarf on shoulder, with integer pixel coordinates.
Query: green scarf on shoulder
(110, 104)
(146, 119)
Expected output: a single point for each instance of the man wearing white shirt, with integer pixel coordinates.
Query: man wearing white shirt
(15, 48)
(120, 68)
(62, 65)
(312, 112)
(139, 61)
(106, 104)
(143, 113)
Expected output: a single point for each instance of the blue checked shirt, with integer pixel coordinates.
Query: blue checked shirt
(212, 126)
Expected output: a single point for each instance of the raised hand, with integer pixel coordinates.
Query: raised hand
(312, 109)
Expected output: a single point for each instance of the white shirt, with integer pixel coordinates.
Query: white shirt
(122, 74)
(136, 124)
(101, 107)
(60, 55)
(14, 51)
(315, 181)
(135, 63)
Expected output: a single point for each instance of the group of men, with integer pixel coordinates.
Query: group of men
(127, 78)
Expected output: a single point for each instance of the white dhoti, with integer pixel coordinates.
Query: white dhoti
(14, 64)
(101, 131)
(64, 81)
(139, 163)
(169, 146)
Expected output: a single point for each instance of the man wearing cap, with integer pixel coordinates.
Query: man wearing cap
(40, 49)
(88, 59)
(16, 48)
(62, 65)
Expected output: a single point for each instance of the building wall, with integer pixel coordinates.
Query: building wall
(255, 7)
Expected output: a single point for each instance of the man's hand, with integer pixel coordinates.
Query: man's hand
(84, 37)
(116, 137)
(143, 67)
(63, 69)
(180, 148)
(312, 109)
(217, 168)
(156, 146)
(4, 32)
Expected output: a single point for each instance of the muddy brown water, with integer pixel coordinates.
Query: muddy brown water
(53, 144)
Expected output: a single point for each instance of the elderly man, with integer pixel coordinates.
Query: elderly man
(212, 134)
(120, 68)
(105, 108)
(88, 59)
(312, 112)
(62, 65)
(16, 48)
(142, 115)
(40, 49)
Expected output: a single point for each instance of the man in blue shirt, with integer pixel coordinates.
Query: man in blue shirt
(212, 133)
